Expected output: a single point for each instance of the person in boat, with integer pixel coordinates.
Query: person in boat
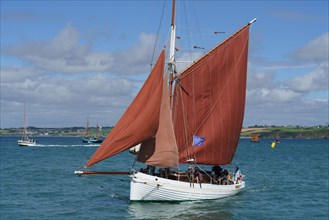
(217, 170)
(164, 173)
(150, 169)
(190, 174)
(217, 173)
(167, 172)
(225, 178)
(160, 173)
(198, 175)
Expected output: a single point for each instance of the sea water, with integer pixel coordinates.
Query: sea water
(287, 182)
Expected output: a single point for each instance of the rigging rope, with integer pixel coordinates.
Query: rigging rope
(157, 36)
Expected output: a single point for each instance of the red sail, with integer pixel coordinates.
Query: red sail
(162, 150)
(140, 121)
(209, 100)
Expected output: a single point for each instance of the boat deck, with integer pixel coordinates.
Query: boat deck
(202, 177)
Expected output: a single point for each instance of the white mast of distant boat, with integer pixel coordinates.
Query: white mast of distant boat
(25, 141)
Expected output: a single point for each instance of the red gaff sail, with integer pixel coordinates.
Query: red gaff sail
(140, 121)
(209, 100)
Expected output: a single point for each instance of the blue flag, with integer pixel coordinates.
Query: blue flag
(198, 141)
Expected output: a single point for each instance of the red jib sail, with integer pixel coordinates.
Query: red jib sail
(162, 149)
(209, 100)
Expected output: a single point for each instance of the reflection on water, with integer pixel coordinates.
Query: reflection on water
(219, 209)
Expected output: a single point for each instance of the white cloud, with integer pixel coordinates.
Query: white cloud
(66, 54)
(65, 91)
(15, 73)
(56, 100)
(263, 88)
(135, 59)
(260, 79)
(57, 97)
(303, 112)
(63, 54)
(276, 95)
(313, 81)
(276, 98)
(316, 50)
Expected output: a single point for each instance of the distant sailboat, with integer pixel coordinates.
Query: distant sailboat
(25, 141)
(92, 138)
(196, 120)
(255, 138)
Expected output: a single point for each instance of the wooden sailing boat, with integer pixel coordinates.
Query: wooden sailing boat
(25, 141)
(255, 138)
(197, 121)
(89, 138)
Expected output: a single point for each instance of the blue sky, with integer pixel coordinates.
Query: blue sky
(68, 59)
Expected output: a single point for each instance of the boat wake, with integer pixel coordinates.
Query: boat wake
(60, 145)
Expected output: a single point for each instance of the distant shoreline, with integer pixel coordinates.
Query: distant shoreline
(318, 132)
(315, 132)
(241, 137)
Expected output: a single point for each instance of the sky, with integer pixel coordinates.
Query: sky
(68, 60)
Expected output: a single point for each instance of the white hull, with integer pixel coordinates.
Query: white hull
(144, 187)
(26, 143)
